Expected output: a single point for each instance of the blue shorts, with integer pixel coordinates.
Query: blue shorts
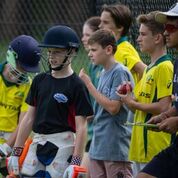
(165, 164)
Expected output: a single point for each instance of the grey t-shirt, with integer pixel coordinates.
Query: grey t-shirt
(110, 136)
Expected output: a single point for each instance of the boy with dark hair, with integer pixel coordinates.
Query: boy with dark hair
(109, 148)
(58, 107)
(118, 18)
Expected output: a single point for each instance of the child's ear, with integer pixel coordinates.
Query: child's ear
(120, 29)
(109, 49)
(159, 37)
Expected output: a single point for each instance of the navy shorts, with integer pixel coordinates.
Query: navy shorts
(165, 164)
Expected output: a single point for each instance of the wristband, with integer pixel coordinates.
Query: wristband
(76, 160)
(17, 151)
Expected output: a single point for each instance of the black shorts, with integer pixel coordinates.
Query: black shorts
(4, 171)
(165, 164)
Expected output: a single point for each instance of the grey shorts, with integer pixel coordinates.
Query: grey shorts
(110, 169)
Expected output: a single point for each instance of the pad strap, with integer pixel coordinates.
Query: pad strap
(17, 151)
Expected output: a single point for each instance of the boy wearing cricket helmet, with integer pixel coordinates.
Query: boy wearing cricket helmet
(23, 56)
(59, 104)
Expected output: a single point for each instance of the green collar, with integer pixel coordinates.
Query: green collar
(161, 59)
(1, 68)
(122, 39)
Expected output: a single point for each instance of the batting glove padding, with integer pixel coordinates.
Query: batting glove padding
(74, 171)
(5, 150)
(13, 165)
(13, 161)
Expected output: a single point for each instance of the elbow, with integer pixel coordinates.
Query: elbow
(113, 110)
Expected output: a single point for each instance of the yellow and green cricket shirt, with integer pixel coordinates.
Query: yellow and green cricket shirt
(127, 55)
(155, 84)
(12, 102)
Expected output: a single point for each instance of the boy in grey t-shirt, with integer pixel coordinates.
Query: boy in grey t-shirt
(110, 142)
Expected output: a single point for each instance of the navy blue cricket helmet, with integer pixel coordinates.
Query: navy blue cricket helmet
(60, 36)
(27, 52)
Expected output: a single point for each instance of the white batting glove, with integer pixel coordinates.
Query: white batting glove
(5, 150)
(69, 172)
(13, 161)
(75, 170)
(13, 165)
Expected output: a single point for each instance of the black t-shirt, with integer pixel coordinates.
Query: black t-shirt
(57, 102)
(175, 83)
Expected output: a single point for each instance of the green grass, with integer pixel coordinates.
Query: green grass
(80, 61)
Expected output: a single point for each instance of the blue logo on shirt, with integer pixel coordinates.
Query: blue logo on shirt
(60, 98)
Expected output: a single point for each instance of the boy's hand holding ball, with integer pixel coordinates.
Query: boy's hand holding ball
(124, 88)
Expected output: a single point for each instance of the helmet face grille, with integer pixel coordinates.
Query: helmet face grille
(11, 57)
(18, 77)
(60, 37)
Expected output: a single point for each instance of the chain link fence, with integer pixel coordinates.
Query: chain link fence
(34, 17)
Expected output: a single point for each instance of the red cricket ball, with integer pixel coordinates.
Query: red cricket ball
(123, 89)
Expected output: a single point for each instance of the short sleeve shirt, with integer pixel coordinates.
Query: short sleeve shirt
(110, 136)
(127, 55)
(175, 84)
(57, 102)
(12, 102)
(156, 83)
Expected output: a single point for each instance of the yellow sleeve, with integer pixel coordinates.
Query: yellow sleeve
(164, 79)
(127, 55)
